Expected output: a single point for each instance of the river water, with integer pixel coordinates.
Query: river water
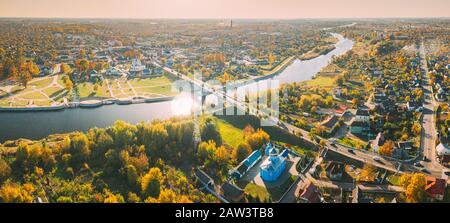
(36, 125)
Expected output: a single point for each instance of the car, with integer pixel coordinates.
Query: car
(418, 164)
(351, 151)
(376, 158)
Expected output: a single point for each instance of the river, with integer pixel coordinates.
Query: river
(36, 125)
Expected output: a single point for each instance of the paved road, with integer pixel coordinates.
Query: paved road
(428, 121)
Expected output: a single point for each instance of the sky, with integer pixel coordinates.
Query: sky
(224, 9)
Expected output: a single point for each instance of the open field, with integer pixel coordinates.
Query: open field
(42, 91)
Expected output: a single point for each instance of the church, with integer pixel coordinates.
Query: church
(272, 168)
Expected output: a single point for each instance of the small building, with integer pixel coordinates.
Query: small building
(113, 71)
(272, 168)
(308, 193)
(203, 177)
(358, 127)
(231, 192)
(436, 188)
(362, 115)
(335, 170)
(443, 152)
(405, 145)
(413, 105)
(245, 165)
(331, 123)
(378, 142)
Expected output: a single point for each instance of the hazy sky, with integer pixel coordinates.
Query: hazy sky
(278, 9)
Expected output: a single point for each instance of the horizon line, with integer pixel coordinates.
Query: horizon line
(205, 18)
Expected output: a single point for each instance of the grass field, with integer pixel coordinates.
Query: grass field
(321, 81)
(41, 83)
(352, 142)
(145, 82)
(230, 135)
(33, 95)
(86, 89)
(257, 191)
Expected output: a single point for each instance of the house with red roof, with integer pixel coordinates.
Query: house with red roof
(436, 188)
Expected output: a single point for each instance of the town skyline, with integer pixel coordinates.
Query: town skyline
(219, 9)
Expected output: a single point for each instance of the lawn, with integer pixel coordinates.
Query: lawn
(86, 89)
(42, 83)
(321, 81)
(164, 90)
(60, 79)
(352, 142)
(394, 180)
(148, 82)
(230, 135)
(52, 91)
(33, 95)
(16, 103)
(2, 93)
(255, 190)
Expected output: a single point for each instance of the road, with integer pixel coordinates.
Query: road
(428, 120)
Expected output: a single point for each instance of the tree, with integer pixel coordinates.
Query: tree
(242, 152)
(416, 129)
(248, 131)
(151, 182)
(14, 193)
(271, 59)
(132, 175)
(68, 84)
(368, 173)
(79, 149)
(387, 148)
(5, 170)
(209, 131)
(113, 198)
(414, 185)
(258, 139)
(206, 150)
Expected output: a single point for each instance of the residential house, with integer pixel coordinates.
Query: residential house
(436, 188)
(358, 127)
(362, 115)
(413, 105)
(231, 192)
(335, 170)
(406, 145)
(378, 142)
(246, 165)
(443, 152)
(331, 124)
(203, 177)
(308, 193)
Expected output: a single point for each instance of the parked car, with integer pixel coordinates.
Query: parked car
(376, 158)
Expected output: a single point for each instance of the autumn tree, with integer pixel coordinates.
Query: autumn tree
(210, 131)
(387, 148)
(242, 151)
(5, 170)
(151, 182)
(414, 185)
(258, 139)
